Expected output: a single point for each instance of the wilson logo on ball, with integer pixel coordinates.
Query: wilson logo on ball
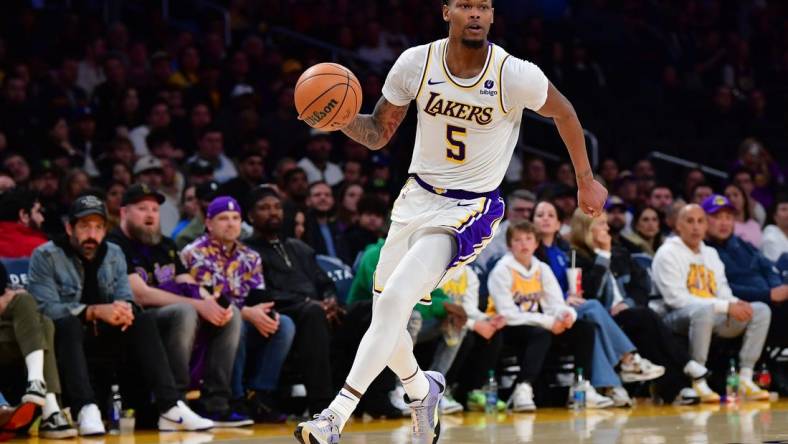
(317, 116)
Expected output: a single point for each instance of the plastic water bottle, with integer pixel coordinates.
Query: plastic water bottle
(579, 390)
(491, 394)
(732, 384)
(116, 407)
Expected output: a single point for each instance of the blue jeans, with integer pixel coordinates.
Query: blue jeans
(610, 346)
(266, 356)
(3, 402)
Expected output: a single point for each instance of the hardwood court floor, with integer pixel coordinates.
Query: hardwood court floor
(647, 424)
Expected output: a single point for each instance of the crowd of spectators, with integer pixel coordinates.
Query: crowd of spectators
(170, 209)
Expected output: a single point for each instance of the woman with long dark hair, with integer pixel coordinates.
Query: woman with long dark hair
(612, 347)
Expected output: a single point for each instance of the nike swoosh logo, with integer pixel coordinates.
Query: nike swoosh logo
(179, 421)
(430, 82)
(465, 205)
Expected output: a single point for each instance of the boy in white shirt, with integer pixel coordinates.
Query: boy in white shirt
(525, 291)
(691, 278)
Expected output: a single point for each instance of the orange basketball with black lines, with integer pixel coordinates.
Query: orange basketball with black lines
(327, 96)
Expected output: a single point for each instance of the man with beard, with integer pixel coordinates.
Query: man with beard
(299, 289)
(80, 282)
(21, 218)
(183, 310)
(218, 260)
(618, 220)
(321, 230)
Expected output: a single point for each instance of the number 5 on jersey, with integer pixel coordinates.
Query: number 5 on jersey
(455, 146)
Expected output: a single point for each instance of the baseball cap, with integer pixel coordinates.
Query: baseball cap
(222, 204)
(206, 191)
(716, 203)
(147, 163)
(615, 202)
(200, 167)
(85, 206)
(140, 191)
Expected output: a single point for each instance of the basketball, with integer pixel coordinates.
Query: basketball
(327, 96)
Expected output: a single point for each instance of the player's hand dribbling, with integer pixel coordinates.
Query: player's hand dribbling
(591, 195)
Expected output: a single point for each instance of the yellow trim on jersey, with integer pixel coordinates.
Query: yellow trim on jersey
(500, 84)
(426, 71)
(481, 76)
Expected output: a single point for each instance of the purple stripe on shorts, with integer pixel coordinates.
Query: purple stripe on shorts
(478, 229)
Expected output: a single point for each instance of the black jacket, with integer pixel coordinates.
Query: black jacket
(295, 282)
(631, 277)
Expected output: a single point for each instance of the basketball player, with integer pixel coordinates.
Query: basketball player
(470, 95)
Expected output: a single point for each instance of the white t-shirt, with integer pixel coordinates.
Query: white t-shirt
(467, 128)
(137, 137)
(332, 175)
(775, 243)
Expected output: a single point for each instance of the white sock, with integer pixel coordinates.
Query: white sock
(344, 405)
(695, 370)
(35, 365)
(50, 406)
(417, 386)
(746, 374)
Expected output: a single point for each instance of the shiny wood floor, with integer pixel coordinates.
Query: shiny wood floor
(744, 423)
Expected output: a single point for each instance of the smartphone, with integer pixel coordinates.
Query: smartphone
(223, 301)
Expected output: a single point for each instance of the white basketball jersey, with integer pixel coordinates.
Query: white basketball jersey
(467, 128)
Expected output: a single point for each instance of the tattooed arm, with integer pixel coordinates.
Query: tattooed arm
(374, 130)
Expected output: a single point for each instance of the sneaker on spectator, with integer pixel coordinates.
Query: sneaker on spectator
(619, 396)
(181, 417)
(229, 419)
(89, 420)
(477, 402)
(36, 392)
(448, 405)
(687, 396)
(705, 393)
(751, 392)
(522, 399)
(56, 426)
(640, 369)
(262, 409)
(596, 401)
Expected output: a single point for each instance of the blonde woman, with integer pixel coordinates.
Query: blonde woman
(621, 287)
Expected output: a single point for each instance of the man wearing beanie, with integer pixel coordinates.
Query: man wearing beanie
(188, 320)
(217, 260)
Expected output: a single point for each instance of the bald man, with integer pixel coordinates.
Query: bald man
(691, 278)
